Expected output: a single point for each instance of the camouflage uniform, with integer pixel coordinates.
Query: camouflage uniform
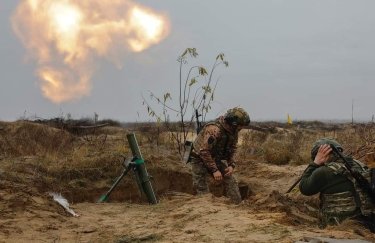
(213, 150)
(340, 195)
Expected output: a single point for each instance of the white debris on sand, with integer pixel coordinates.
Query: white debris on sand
(63, 202)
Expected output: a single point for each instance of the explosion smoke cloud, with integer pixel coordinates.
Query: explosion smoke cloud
(66, 38)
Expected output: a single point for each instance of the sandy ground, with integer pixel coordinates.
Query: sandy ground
(267, 215)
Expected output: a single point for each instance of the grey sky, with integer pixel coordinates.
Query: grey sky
(305, 58)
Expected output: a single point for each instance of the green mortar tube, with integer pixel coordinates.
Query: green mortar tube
(141, 175)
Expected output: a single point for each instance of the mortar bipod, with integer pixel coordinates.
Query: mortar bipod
(128, 164)
(137, 165)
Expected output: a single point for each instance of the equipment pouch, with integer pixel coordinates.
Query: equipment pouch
(188, 149)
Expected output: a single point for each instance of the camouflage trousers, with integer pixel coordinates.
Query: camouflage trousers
(201, 174)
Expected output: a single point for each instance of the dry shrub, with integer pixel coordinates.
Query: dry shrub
(302, 157)
(250, 144)
(358, 140)
(150, 134)
(293, 145)
(296, 147)
(276, 152)
(287, 146)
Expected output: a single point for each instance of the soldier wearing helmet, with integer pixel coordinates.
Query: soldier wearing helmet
(213, 152)
(340, 195)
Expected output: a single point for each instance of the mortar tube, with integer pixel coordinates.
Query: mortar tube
(141, 171)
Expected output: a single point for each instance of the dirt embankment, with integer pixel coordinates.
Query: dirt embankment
(267, 214)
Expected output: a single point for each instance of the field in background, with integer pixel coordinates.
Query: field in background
(81, 161)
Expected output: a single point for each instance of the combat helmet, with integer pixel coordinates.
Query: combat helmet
(237, 117)
(322, 141)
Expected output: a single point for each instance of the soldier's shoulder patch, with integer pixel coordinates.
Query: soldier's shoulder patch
(213, 130)
(211, 140)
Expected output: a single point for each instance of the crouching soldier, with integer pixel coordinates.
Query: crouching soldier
(341, 195)
(213, 152)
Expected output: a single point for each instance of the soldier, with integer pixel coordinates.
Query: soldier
(213, 152)
(341, 197)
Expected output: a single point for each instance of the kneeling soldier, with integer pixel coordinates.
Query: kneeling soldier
(213, 152)
(341, 196)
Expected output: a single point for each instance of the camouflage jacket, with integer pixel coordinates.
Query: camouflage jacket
(323, 179)
(215, 143)
(340, 195)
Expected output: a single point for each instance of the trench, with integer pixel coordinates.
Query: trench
(29, 180)
(88, 188)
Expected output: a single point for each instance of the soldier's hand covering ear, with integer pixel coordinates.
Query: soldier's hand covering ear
(323, 154)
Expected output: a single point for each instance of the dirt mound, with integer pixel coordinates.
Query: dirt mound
(20, 203)
(27, 138)
(300, 210)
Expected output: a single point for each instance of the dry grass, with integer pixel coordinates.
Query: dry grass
(293, 145)
(58, 149)
(26, 138)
